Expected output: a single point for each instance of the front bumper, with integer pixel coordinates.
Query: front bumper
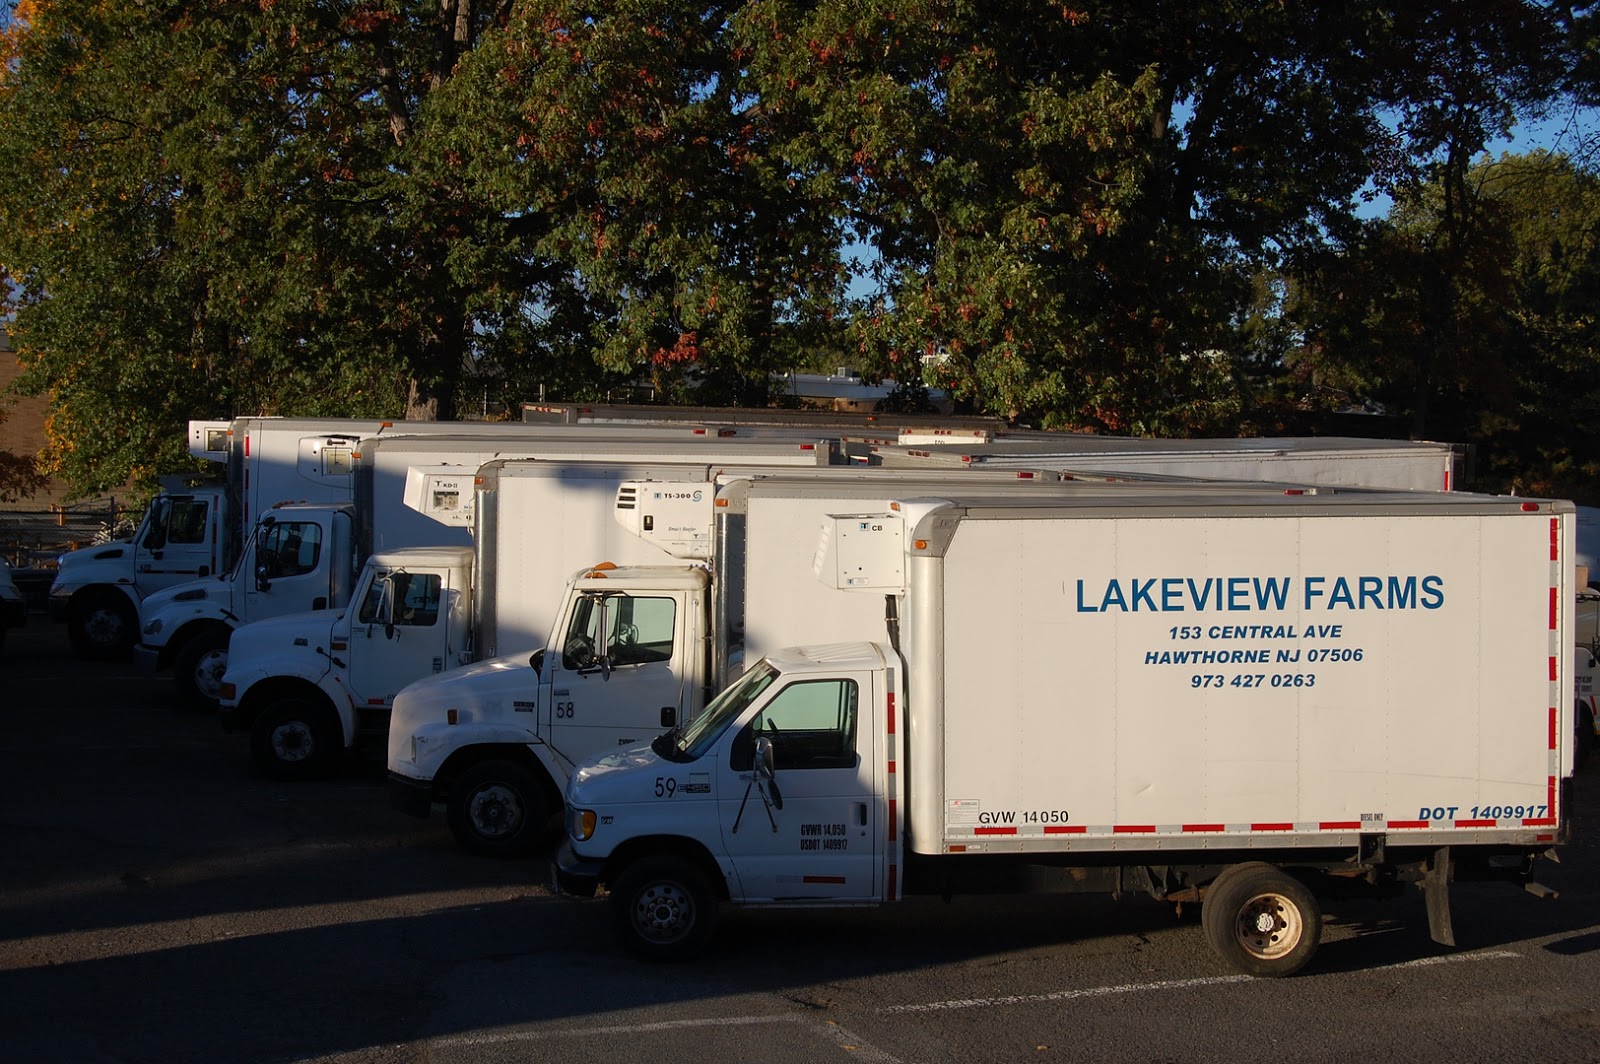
(58, 606)
(411, 796)
(574, 875)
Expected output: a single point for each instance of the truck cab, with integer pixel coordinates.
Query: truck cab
(628, 658)
(300, 557)
(782, 792)
(309, 686)
(97, 589)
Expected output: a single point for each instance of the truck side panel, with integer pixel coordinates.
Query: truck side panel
(543, 526)
(1250, 681)
(784, 602)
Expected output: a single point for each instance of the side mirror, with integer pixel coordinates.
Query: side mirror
(765, 773)
(537, 662)
(263, 582)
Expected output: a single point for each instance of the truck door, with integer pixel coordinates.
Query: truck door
(179, 542)
(399, 634)
(619, 679)
(816, 839)
(287, 569)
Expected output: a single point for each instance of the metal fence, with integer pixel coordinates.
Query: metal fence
(34, 539)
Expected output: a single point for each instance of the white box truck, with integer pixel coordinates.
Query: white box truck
(192, 528)
(1330, 461)
(305, 556)
(634, 649)
(307, 685)
(1206, 700)
(196, 526)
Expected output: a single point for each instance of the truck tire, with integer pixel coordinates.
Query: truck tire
(198, 668)
(102, 625)
(498, 809)
(295, 739)
(1261, 920)
(665, 908)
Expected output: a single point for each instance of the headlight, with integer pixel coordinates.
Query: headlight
(580, 824)
(153, 627)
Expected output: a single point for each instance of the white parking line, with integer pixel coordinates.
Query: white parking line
(1451, 958)
(845, 1040)
(858, 1049)
(1065, 995)
(1169, 984)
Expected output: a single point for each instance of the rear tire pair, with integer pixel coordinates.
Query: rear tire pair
(1261, 920)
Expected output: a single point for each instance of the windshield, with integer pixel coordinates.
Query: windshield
(239, 570)
(695, 739)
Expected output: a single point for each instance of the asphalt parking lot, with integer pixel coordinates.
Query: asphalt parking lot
(161, 902)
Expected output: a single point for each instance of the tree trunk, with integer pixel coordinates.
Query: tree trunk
(420, 406)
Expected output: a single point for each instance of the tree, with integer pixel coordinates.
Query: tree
(1067, 202)
(1512, 343)
(1075, 215)
(631, 133)
(216, 210)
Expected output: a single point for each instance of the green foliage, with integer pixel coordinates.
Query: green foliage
(1090, 215)
(205, 212)
(1494, 335)
(1043, 221)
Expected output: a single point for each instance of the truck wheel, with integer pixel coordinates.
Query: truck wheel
(295, 739)
(498, 809)
(101, 625)
(198, 668)
(1261, 920)
(665, 909)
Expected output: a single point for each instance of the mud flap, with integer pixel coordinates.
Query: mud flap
(1436, 891)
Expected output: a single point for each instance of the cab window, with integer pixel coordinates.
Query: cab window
(290, 548)
(188, 521)
(812, 724)
(414, 598)
(625, 629)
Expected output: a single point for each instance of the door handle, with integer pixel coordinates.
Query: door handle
(861, 814)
